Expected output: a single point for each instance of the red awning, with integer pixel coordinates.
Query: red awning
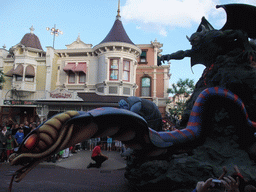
(69, 67)
(9, 73)
(19, 70)
(81, 67)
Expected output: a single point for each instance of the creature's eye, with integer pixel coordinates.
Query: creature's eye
(31, 141)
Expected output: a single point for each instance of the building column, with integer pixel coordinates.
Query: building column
(49, 60)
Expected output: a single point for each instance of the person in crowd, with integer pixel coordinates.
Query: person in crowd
(118, 145)
(97, 156)
(2, 145)
(109, 143)
(9, 145)
(90, 141)
(15, 129)
(19, 136)
(4, 130)
(84, 145)
(65, 153)
(104, 142)
(33, 126)
(10, 123)
(26, 128)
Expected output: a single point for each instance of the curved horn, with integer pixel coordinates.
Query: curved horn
(188, 38)
(203, 29)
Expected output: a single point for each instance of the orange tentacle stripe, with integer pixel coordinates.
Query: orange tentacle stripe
(171, 135)
(198, 104)
(201, 96)
(193, 124)
(235, 97)
(190, 131)
(180, 132)
(193, 113)
(216, 89)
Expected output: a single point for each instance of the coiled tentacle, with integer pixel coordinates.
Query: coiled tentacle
(69, 128)
(194, 126)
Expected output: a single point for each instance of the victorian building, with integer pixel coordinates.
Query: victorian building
(81, 77)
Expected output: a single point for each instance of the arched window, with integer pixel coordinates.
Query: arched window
(145, 87)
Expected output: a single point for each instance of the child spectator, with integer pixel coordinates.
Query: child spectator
(19, 136)
(9, 145)
(109, 143)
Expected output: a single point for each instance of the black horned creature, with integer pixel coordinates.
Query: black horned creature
(209, 43)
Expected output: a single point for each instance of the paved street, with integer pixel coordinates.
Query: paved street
(71, 174)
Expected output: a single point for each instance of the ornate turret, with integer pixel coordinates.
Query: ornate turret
(117, 33)
(31, 40)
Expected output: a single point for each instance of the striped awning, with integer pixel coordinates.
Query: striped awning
(30, 71)
(19, 70)
(69, 67)
(9, 73)
(81, 67)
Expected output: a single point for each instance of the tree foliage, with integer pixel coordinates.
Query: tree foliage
(2, 80)
(181, 88)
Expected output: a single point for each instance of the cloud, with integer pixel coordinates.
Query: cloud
(157, 15)
(250, 2)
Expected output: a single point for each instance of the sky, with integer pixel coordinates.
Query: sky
(168, 21)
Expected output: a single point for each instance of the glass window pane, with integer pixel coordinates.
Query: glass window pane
(82, 78)
(145, 91)
(114, 64)
(71, 77)
(126, 76)
(126, 65)
(145, 82)
(113, 74)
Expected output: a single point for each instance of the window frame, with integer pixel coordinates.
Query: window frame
(149, 87)
(69, 75)
(112, 69)
(143, 62)
(79, 77)
(127, 70)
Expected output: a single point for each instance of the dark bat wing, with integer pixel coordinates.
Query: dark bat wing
(240, 17)
(206, 23)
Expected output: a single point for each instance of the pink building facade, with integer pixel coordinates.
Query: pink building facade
(152, 80)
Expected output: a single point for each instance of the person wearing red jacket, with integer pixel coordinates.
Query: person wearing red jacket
(97, 156)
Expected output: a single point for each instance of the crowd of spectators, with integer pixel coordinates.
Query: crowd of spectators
(11, 136)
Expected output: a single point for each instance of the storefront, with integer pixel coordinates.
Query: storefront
(61, 100)
(18, 111)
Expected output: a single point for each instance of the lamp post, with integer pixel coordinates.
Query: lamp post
(54, 32)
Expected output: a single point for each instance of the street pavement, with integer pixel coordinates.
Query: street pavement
(71, 174)
(81, 159)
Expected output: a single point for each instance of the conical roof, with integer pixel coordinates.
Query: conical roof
(117, 34)
(31, 40)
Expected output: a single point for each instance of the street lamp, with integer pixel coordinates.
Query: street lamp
(54, 32)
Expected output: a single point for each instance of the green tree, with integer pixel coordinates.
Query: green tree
(2, 80)
(181, 88)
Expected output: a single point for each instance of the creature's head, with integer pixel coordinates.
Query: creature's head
(197, 36)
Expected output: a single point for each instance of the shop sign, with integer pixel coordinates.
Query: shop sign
(64, 94)
(18, 102)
